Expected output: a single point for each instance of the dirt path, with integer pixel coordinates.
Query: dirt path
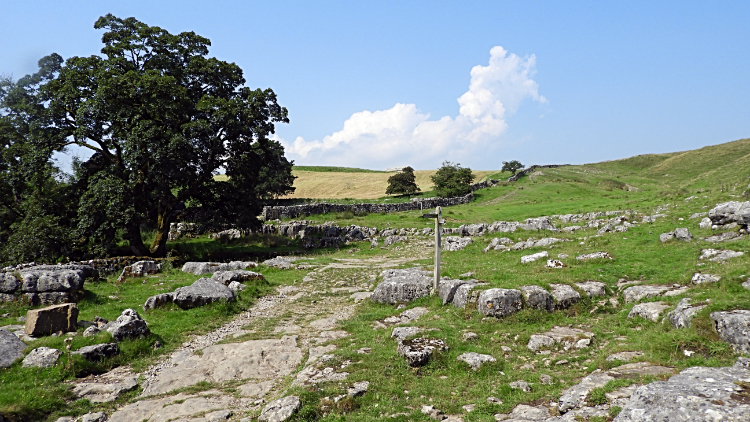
(231, 372)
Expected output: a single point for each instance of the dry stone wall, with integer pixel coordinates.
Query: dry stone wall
(524, 172)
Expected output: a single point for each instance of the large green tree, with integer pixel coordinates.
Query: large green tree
(452, 180)
(402, 183)
(162, 119)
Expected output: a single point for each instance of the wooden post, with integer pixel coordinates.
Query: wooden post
(439, 215)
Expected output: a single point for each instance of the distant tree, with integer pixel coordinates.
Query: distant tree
(452, 180)
(402, 183)
(512, 166)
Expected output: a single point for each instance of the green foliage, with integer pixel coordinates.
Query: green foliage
(402, 183)
(512, 166)
(162, 118)
(452, 180)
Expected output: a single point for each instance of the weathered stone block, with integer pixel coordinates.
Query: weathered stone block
(499, 302)
(45, 321)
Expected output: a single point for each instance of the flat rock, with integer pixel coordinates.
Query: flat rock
(722, 237)
(98, 352)
(594, 255)
(593, 288)
(280, 410)
(11, 348)
(94, 417)
(699, 278)
(128, 325)
(624, 356)
(256, 389)
(201, 293)
(564, 295)
(399, 286)
(681, 316)
(360, 296)
(418, 351)
(226, 277)
(41, 357)
(525, 413)
(358, 389)
(733, 327)
(199, 268)
(520, 385)
(719, 255)
(650, 310)
(107, 387)
(171, 408)
(575, 396)
(537, 298)
(261, 360)
(533, 257)
(475, 360)
(640, 368)
(636, 293)
(312, 375)
(696, 394)
(566, 336)
(499, 302)
(413, 314)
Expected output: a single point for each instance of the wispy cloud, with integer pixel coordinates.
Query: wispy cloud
(403, 135)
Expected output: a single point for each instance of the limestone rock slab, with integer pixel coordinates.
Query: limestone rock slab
(171, 408)
(575, 396)
(418, 351)
(280, 410)
(734, 328)
(11, 348)
(533, 257)
(466, 295)
(254, 359)
(201, 293)
(593, 288)
(538, 298)
(499, 302)
(564, 295)
(400, 286)
(475, 360)
(49, 320)
(636, 293)
(41, 357)
(681, 316)
(128, 325)
(650, 310)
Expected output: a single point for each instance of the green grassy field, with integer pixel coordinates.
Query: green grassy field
(713, 174)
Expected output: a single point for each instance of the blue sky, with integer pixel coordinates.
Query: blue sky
(385, 84)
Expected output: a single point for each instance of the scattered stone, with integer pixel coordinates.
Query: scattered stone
(433, 413)
(390, 240)
(98, 351)
(681, 316)
(695, 394)
(280, 410)
(666, 237)
(650, 310)
(468, 408)
(41, 357)
(402, 333)
(364, 351)
(418, 351)
(624, 356)
(226, 277)
(400, 286)
(11, 348)
(475, 360)
(494, 400)
(520, 385)
(201, 293)
(128, 325)
(499, 302)
(594, 255)
(470, 336)
(413, 314)
(358, 389)
(142, 268)
(531, 243)
(722, 237)
(705, 223)
(312, 375)
(554, 263)
(733, 327)
(636, 293)
(564, 295)
(537, 298)
(699, 278)
(568, 337)
(236, 287)
(107, 387)
(94, 417)
(360, 296)
(546, 379)
(525, 413)
(52, 319)
(719, 255)
(455, 243)
(683, 234)
(575, 396)
(746, 284)
(531, 258)
(593, 288)
(537, 342)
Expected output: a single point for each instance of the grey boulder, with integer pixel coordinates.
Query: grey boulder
(649, 310)
(447, 289)
(226, 277)
(11, 348)
(157, 301)
(575, 396)
(201, 293)
(34, 281)
(128, 325)
(98, 351)
(733, 327)
(8, 283)
(455, 243)
(697, 394)
(418, 351)
(280, 410)
(730, 212)
(466, 295)
(564, 295)
(399, 286)
(199, 268)
(699, 278)
(681, 316)
(683, 234)
(475, 360)
(593, 288)
(538, 298)
(41, 357)
(499, 302)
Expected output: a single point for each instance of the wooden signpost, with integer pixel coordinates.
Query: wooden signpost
(438, 216)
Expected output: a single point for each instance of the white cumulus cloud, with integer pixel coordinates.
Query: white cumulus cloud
(403, 135)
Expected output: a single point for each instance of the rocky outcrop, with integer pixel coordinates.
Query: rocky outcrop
(49, 284)
(593, 288)
(280, 410)
(526, 171)
(650, 310)
(454, 243)
(199, 268)
(52, 319)
(499, 302)
(158, 301)
(681, 316)
(717, 255)
(564, 295)
(731, 212)
(733, 327)
(575, 396)
(538, 298)
(697, 394)
(201, 293)
(400, 286)
(226, 277)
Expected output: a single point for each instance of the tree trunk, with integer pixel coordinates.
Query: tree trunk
(133, 232)
(159, 245)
